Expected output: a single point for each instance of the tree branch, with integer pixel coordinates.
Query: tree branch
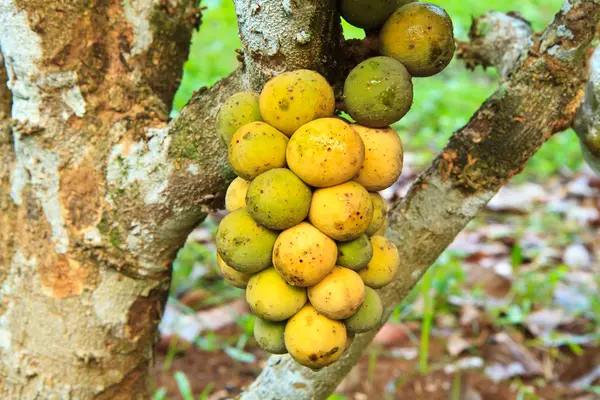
(496, 40)
(587, 121)
(506, 131)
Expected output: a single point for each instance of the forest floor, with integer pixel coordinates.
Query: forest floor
(510, 311)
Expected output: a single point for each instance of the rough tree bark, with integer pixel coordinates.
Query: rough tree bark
(98, 191)
(79, 302)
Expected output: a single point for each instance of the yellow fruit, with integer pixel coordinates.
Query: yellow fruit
(255, 148)
(368, 315)
(339, 295)
(237, 111)
(342, 212)
(232, 276)
(383, 266)
(379, 213)
(271, 298)
(278, 199)
(325, 152)
(270, 335)
(314, 340)
(378, 92)
(292, 99)
(235, 197)
(383, 158)
(303, 255)
(420, 36)
(244, 244)
(355, 254)
(382, 230)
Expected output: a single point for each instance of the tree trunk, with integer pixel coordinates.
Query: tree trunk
(99, 190)
(79, 304)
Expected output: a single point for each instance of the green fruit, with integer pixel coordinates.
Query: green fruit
(368, 315)
(420, 36)
(237, 111)
(378, 92)
(379, 213)
(356, 253)
(270, 335)
(369, 14)
(243, 244)
(278, 199)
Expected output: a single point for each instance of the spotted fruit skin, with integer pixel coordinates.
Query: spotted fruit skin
(378, 92)
(256, 148)
(339, 295)
(270, 335)
(243, 244)
(420, 36)
(314, 340)
(278, 199)
(325, 152)
(271, 298)
(384, 158)
(238, 110)
(303, 255)
(342, 212)
(294, 98)
(355, 254)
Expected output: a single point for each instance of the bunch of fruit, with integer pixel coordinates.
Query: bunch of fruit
(304, 233)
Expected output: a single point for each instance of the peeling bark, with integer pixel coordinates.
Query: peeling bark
(76, 319)
(507, 130)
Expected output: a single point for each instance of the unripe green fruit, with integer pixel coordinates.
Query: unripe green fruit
(369, 14)
(244, 244)
(368, 315)
(278, 199)
(256, 148)
(270, 335)
(379, 213)
(356, 253)
(378, 92)
(237, 111)
(420, 36)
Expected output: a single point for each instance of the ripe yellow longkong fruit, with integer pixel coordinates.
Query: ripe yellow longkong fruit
(303, 255)
(339, 295)
(314, 340)
(342, 212)
(325, 152)
(383, 158)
